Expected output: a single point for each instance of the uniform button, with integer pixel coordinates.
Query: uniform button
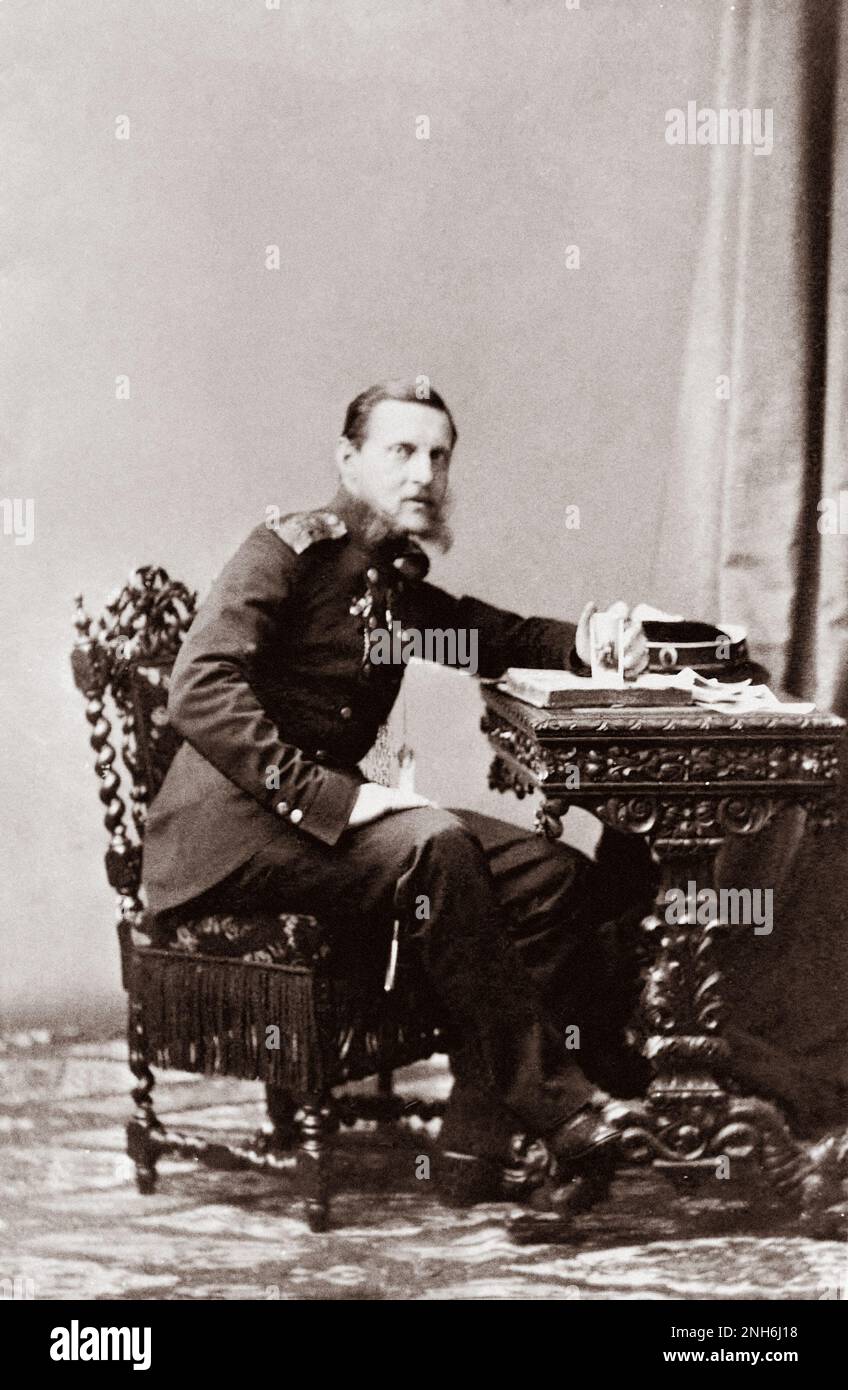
(321, 754)
(372, 575)
(282, 808)
(372, 621)
(346, 712)
(296, 816)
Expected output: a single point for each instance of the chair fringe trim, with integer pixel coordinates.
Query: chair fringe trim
(368, 1030)
(234, 1018)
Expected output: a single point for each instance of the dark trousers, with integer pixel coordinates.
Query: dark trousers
(519, 939)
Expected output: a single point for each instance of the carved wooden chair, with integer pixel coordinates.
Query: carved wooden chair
(263, 998)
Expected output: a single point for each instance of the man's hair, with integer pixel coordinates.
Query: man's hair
(417, 392)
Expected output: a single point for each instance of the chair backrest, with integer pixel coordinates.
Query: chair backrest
(122, 663)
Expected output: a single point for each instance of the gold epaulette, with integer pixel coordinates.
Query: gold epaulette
(299, 530)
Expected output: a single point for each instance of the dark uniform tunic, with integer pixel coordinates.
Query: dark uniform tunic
(277, 700)
(274, 673)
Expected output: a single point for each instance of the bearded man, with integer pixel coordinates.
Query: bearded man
(277, 699)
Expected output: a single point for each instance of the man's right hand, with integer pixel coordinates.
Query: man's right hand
(373, 801)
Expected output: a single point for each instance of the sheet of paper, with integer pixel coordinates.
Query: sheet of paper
(739, 697)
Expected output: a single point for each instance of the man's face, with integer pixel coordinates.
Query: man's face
(401, 469)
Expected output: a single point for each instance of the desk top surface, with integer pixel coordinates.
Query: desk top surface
(678, 719)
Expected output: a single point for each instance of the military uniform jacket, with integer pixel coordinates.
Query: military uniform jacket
(275, 696)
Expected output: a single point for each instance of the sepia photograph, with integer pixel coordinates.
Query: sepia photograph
(424, 582)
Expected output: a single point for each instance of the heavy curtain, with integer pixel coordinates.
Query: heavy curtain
(762, 462)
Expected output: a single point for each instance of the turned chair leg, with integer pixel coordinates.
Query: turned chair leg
(140, 1129)
(316, 1123)
(282, 1108)
(386, 1105)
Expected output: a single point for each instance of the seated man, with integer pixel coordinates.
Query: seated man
(278, 694)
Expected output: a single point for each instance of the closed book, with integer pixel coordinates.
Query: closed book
(548, 689)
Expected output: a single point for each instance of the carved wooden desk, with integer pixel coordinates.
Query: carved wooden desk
(684, 778)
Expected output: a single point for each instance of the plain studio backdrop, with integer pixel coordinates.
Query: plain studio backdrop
(145, 257)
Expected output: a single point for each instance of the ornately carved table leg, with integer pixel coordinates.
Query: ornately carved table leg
(690, 1125)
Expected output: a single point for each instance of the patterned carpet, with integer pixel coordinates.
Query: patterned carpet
(74, 1225)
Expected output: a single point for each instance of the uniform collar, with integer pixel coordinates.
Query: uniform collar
(372, 533)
